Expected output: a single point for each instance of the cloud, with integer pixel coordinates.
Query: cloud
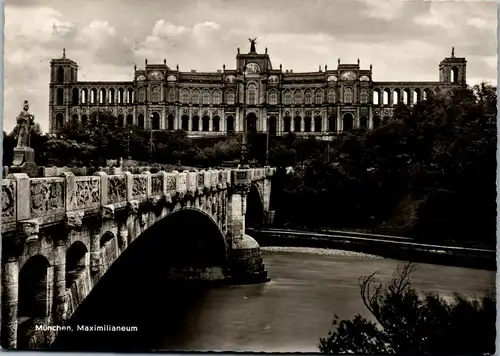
(41, 24)
(163, 29)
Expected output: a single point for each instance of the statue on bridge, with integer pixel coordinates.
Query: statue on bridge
(25, 121)
(24, 156)
(253, 41)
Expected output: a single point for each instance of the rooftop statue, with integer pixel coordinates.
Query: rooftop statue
(252, 44)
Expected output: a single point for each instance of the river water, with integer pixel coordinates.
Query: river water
(288, 314)
(295, 309)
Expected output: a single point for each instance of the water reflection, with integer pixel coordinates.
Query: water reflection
(288, 314)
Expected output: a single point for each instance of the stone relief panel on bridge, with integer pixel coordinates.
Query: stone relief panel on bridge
(47, 196)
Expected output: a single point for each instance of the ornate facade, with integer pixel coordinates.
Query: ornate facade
(319, 103)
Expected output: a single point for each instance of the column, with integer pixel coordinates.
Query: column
(177, 118)
(339, 120)
(370, 120)
(210, 123)
(10, 295)
(96, 264)
(237, 120)
(190, 121)
(356, 121)
(123, 236)
(60, 306)
(163, 119)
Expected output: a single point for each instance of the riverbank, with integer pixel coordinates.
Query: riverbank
(405, 251)
(319, 251)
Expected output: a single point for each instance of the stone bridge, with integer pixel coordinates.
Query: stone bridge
(61, 234)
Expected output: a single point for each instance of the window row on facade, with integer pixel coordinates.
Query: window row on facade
(399, 95)
(216, 124)
(214, 97)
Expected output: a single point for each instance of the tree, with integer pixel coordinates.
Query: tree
(409, 324)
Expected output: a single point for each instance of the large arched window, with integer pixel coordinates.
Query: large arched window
(331, 96)
(298, 97)
(196, 97)
(59, 121)
(318, 124)
(195, 123)
(376, 97)
(272, 126)
(230, 97)
(230, 124)
(288, 97)
(217, 97)
(121, 95)
(386, 98)
(318, 97)
(142, 95)
(185, 122)
(252, 94)
(363, 122)
(171, 95)
(348, 97)
(287, 124)
(454, 74)
(206, 97)
(93, 95)
(140, 121)
(155, 94)
(308, 97)
(60, 74)
(185, 96)
(347, 122)
(85, 96)
(297, 123)
(216, 124)
(205, 123)
(273, 97)
(59, 96)
(130, 120)
(307, 124)
(111, 97)
(363, 96)
(102, 96)
(155, 121)
(75, 98)
(130, 95)
(332, 124)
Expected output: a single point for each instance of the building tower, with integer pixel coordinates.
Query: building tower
(63, 73)
(452, 70)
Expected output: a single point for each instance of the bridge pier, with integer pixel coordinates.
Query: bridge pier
(10, 292)
(60, 304)
(247, 264)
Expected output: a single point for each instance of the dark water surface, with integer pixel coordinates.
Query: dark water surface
(290, 313)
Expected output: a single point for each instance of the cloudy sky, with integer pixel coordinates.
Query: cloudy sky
(403, 40)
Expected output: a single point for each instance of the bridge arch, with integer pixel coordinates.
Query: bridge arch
(184, 246)
(254, 216)
(34, 285)
(76, 261)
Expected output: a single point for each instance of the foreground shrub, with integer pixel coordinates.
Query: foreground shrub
(406, 323)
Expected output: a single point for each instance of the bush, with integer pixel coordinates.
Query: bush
(408, 324)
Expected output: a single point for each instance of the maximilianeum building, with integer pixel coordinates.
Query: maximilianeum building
(320, 103)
